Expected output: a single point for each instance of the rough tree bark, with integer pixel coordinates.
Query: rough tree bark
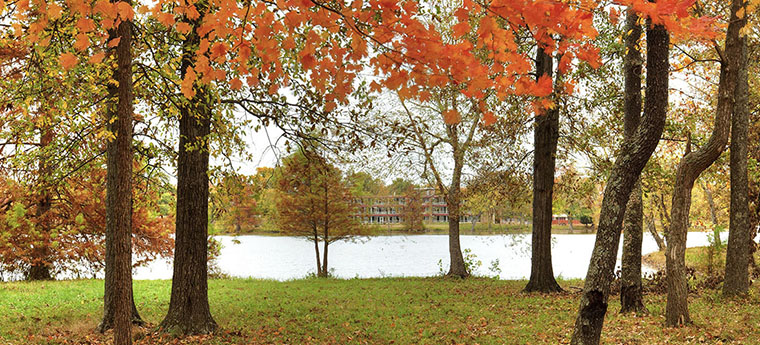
(689, 169)
(118, 285)
(631, 299)
(740, 234)
(545, 136)
(633, 156)
(189, 311)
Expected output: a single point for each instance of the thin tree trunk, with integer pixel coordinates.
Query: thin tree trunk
(689, 169)
(740, 236)
(189, 311)
(453, 199)
(710, 203)
(41, 266)
(633, 156)
(545, 136)
(656, 235)
(119, 192)
(631, 299)
(325, 271)
(570, 222)
(316, 250)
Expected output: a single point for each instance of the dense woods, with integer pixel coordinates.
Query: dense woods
(134, 131)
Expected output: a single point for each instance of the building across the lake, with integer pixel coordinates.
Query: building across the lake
(387, 209)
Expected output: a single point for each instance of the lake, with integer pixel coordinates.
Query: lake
(284, 258)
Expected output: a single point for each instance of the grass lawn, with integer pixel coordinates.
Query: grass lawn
(368, 311)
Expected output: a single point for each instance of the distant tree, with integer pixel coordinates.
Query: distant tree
(235, 203)
(363, 183)
(314, 202)
(413, 210)
(400, 186)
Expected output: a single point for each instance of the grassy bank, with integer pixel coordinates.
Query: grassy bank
(368, 311)
(697, 258)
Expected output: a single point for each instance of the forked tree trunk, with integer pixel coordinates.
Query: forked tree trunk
(739, 252)
(631, 299)
(545, 136)
(189, 311)
(633, 156)
(689, 169)
(118, 286)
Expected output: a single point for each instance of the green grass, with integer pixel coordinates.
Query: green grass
(697, 258)
(371, 311)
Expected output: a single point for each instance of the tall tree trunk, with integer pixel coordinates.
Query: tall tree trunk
(740, 234)
(570, 222)
(545, 136)
(118, 159)
(631, 299)
(41, 266)
(118, 284)
(656, 235)
(453, 200)
(689, 169)
(633, 156)
(189, 310)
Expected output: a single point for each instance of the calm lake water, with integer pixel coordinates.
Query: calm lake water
(283, 258)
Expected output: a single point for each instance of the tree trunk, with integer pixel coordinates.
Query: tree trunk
(545, 136)
(118, 294)
(631, 299)
(689, 169)
(189, 311)
(115, 172)
(656, 235)
(453, 200)
(325, 272)
(316, 251)
(740, 234)
(711, 204)
(41, 266)
(633, 156)
(570, 222)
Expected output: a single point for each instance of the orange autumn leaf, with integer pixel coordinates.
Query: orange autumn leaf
(85, 24)
(543, 86)
(82, 42)
(489, 118)
(236, 84)
(183, 27)
(451, 117)
(68, 60)
(114, 42)
(54, 11)
(125, 10)
(97, 58)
